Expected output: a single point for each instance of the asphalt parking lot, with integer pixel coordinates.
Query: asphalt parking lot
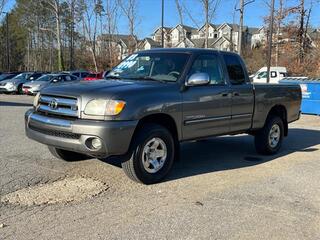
(220, 189)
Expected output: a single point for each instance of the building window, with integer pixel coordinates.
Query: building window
(215, 35)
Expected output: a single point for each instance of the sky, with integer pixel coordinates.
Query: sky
(149, 12)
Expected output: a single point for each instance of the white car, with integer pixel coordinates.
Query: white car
(276, 74)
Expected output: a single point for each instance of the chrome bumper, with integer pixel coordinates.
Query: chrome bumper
(72, 135)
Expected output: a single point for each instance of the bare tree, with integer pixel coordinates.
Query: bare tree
(302, 13)
(54, 7)
(180, 12)
(112, 12)
(129, 8)
(2, 4)
(209, 7)
(90, 21)
(72, 9)
(281, 14)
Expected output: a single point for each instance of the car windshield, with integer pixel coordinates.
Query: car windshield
(92, 75)
(45, 78)
(21, 76)
(151, 66)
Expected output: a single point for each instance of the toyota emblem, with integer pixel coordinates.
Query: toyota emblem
(53, 104)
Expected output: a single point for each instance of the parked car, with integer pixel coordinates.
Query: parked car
(46, 80)
(14, 85)
(5, 76)
(156, 99)
(94, 76)
(276, 74)
(80, 74)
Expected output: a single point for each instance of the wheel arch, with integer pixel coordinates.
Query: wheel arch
(280, 111)
(162, 119)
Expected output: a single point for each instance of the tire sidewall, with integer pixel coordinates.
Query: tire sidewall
(164, 135)
(275, 121)
(19, 90)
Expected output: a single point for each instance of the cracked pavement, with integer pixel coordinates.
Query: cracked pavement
(220, 189)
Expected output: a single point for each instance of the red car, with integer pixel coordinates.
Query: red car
(94, 76)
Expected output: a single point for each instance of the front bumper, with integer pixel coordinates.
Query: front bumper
(30, 91)
(7, 89)
(73, 135)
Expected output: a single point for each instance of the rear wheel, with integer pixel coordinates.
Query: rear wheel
(152, 155)
(269, 139)
(67, 155)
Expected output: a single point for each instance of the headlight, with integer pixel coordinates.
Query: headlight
(10, 84)
(36, 100)
(102, 107)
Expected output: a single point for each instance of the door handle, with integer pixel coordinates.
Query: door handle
(225, 94)
(236, 94)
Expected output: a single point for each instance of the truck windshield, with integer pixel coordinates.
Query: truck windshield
(151, 66)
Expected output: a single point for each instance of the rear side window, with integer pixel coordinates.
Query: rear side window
(67, 78)
(208, 64)
(235, 70)
(283, 74)
(273, 74)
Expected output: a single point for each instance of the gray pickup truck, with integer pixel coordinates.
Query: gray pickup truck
(156, 99)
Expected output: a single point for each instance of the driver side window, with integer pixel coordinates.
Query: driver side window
(209, 64)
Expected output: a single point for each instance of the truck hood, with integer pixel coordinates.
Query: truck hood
(101, 88)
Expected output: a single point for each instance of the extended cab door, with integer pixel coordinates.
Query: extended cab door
(242, 93)
(207, 109)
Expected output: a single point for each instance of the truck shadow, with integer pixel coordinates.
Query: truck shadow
(232, 152)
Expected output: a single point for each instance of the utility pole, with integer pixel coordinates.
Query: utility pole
(240, 34)
(162, 23)
(240, 27)
(270, 41)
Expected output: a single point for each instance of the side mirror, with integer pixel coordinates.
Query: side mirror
(198, 79)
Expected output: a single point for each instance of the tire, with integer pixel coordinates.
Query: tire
(139, 167)
(19, 90)
(263, 143)
(67, 155)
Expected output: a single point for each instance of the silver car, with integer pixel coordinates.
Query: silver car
(14, 85)
(35, 86)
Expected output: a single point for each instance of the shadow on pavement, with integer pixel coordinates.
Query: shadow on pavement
(15, 104)
(232, 152)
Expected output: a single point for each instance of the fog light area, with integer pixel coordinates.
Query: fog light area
(94, 143)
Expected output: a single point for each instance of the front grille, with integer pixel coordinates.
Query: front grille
(58, 106)
(55, 133)
(3, 84)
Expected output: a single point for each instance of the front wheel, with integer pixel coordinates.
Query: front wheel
(67, 155)
(19, 89)
(152, 155)
(269, 139)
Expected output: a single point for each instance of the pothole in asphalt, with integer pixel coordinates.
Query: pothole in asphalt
(61, 191)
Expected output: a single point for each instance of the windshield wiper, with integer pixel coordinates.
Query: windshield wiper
(148, 78)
